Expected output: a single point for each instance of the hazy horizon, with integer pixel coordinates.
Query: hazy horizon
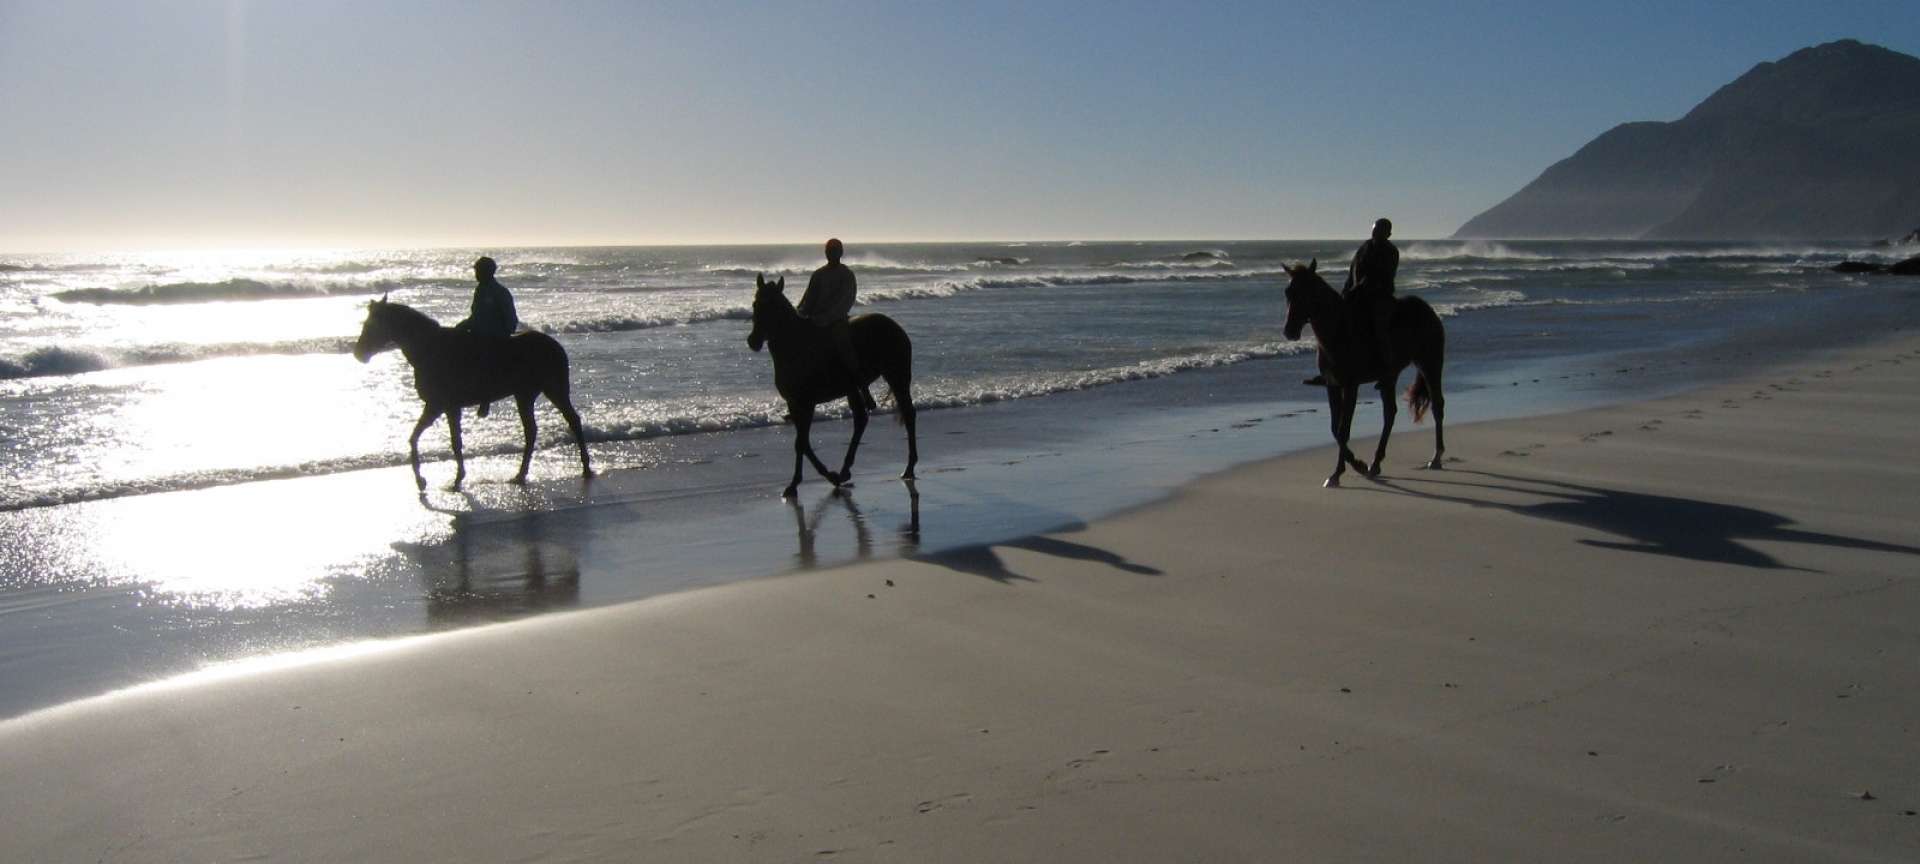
(210, 125)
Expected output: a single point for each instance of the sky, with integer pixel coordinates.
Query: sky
(161, 124)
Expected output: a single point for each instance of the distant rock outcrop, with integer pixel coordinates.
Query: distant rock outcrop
(1820, 145)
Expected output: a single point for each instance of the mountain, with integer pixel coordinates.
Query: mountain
(1824, 144)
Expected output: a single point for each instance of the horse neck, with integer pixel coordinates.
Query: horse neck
(417, 335)
(1330, 317)
(786, 328)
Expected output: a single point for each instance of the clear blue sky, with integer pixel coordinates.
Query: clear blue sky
(235, 124)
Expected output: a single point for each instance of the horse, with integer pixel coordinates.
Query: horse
(1348, 359)
(808, 372)
(452, 370)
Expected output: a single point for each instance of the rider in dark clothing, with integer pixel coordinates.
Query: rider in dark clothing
(827, 302)
(492, 318)
(1369, 289)
(1370, 283)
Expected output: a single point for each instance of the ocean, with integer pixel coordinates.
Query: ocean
(198, 472)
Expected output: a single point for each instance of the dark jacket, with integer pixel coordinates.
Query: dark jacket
(492, 313)
(1374, 266)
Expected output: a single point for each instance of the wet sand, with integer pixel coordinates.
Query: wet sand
(1679, 628)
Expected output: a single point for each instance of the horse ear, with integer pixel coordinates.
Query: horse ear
(1313, 264)
(781, 285)
(759, 280)
(1285, 269)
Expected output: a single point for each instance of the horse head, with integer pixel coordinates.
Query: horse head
(376, 335)
(768, 299)
(1307, 296)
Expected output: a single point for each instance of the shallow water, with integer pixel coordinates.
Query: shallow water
(1052, 415)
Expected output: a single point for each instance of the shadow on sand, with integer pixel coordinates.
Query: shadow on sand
(978, 559)
(1656, 524)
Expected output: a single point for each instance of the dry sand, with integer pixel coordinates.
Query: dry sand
(1686, 629)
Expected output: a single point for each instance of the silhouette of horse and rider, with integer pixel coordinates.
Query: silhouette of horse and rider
(821, 354)
(1366, 334)
(474, 363)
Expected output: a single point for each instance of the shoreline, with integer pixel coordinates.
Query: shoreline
(1674, 626)
(151, 587)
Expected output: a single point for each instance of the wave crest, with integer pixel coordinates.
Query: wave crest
(210, 292)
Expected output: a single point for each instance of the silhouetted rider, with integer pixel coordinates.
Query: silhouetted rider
(492, 318)
(1369, 290)
(827, 302)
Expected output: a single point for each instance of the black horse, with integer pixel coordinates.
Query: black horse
(1348, 359)
(452, 370)
(807, 372)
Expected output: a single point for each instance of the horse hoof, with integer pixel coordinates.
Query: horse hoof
(907, 474)
(1373, 471)
(519, 480)
(1434, 465)
(790, 492)
(1332, 483)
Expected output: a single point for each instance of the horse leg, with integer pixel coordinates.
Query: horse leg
(459, 458)
(859, 429)
(1336, 406)
(528, 431)
(802, 419)
(1438, 400)
(427, 416)
(803, 448)
(1388, 409)
(904, 401)
(561, 400)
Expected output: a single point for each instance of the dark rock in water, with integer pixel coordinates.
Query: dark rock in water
(1909, 267)
(1818, 144)
(1912, 238)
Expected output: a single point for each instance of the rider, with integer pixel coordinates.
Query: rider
(492, 318)
(828, 300)
(1369, 288)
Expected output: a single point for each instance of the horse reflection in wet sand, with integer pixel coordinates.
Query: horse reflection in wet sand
(1348, 359)
(453, 370)
(807, 373)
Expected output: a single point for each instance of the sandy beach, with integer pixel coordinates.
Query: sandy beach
(1681, 629)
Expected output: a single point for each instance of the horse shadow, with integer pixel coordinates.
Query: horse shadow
(977, 559)
(496, 566)
(1675, 527)
(983, 561)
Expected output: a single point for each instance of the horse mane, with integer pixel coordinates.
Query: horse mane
(407, 315)
(1315, 279)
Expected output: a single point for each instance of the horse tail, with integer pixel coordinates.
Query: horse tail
(1418, 397)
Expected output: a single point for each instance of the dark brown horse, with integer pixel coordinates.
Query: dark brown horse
(452, 370)
(1348, 359)
(807, 372)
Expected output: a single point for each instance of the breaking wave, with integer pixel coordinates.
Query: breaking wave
(228, 290)
(51, 361)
